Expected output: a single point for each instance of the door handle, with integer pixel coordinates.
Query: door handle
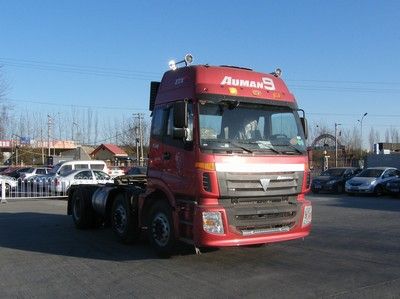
(166, 155)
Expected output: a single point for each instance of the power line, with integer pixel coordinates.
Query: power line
(77, 106)
(146, 75)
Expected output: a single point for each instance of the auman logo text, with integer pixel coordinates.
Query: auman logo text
(265, 83)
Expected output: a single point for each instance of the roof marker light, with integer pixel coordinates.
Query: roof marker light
(188, 59)
(172, 65)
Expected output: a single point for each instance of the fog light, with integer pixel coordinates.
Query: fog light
(212, 223)
(307, 217)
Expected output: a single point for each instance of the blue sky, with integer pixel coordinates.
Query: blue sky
(339, 58)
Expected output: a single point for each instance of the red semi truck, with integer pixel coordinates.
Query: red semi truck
(227, 165)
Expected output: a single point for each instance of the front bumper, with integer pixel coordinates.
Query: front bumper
(360, 189)
(233, 236)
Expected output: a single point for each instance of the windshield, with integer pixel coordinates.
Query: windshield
(233, 125)
(333, 172)
(370, 173)
(55, 168)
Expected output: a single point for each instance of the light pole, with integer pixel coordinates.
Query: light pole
(336, 143)
(361, 131)
(74, 124)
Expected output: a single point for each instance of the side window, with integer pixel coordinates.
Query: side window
(81, 166)
(64, 169)
(101, 175)
(97, 166)
(84, 175)
(157, 125)
(40, 171)
(170, 123)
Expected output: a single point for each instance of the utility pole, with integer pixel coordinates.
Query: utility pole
(139, 117)
(49, 121)
(141, 138)
(336, 143)
(137, 144)
(41, 141)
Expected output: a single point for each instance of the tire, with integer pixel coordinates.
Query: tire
(124, 220)
(161, 231)
(339, 189)
(83, 215)
(378, 191)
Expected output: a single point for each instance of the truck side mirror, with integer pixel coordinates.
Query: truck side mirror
(180, 115)
(303, 121)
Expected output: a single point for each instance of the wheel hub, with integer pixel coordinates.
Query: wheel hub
(161, 229)
(120, 219)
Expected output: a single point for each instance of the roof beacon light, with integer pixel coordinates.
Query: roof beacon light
(172, 65)
(277, 73)
(187, 60)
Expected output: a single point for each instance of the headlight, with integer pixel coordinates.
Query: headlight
(307, 217)
(372, 182)
(212, 223)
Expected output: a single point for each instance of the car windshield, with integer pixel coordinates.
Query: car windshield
(370, 173)
(232, 125)
(56, 168)
(333, 172)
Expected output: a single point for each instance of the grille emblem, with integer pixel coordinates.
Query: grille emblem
(265, 184)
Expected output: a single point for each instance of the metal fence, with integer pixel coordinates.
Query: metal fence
(11, 189)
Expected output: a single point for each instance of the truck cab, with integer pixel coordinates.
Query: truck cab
(227, 158)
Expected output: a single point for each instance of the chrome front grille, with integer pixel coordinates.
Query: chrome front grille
(260, 184)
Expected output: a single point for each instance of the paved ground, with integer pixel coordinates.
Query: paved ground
(353, 252)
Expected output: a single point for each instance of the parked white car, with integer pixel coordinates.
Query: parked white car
(62, 183)
(371, 180)
(10, 183)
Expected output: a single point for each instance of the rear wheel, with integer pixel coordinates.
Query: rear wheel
(161, 231)
(83, 213)
(124, 220)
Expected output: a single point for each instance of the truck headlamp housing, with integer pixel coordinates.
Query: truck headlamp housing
(212, 223)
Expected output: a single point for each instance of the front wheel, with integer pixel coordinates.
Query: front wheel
(161, 228)
(378, 190)
(124, 220)
(339, 189)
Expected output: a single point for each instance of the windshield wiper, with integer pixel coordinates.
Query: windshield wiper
(235, 144)
(224, 145)
(292, 147)
(262, 146)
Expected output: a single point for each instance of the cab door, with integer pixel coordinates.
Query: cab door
(178, 157)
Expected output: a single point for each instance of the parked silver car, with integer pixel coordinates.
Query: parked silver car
(371, 180)
(78, 177)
